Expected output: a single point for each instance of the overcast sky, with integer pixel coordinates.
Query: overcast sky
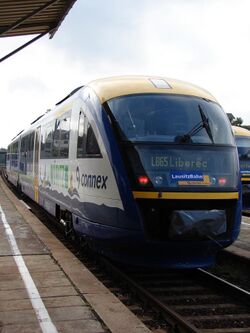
(205, 42)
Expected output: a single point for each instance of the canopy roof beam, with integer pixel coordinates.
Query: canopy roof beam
(31, 17)
(28, 16)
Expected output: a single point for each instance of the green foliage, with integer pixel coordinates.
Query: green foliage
(237, 121)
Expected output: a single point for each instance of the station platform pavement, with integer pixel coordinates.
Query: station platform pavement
(44, 288)
(241, 247)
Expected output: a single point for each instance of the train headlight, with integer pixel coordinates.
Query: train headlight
(158, 180)
(213, 180)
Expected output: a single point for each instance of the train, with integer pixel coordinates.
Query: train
(143, 170)
(3, 153)
(242, 137)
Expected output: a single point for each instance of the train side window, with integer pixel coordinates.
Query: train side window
(23, 154)
(56, 141)
(14, 154)
(61, 137)
(31, 147)
(92, 147)
(47, 140)
(29, 153)
(81, 140)
(26, 152)
(87, 145)
(64, 136)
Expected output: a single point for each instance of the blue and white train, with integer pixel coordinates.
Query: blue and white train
(143, 169)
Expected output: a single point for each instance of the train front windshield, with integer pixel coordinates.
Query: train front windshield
(173, 141)
(243, 145)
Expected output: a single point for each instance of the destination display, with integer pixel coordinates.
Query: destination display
(178, 162)
(169, 167)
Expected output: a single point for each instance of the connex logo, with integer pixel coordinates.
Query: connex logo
(91, 181)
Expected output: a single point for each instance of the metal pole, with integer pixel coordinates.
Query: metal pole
(24, 45)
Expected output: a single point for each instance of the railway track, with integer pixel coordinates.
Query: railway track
(168, 301)
(190, 301)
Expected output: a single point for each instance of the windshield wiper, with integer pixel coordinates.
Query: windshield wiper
(204, 123)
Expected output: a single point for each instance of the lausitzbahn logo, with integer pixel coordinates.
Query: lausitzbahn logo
(90, 180)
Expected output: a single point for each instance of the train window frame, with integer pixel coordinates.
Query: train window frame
(86, 129)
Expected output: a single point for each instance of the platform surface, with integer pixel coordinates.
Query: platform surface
(241, 246)
(44, 288)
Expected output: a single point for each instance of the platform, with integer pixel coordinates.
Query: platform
(44, 288)
(242, 245)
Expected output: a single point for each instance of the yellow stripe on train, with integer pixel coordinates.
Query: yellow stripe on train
(186, 195)
(245, 178)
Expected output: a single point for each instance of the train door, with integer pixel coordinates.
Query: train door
(36, 163)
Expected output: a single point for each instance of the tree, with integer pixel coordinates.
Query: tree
(237, 121)
(231, 117)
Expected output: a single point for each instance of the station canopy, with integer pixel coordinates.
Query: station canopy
(32, 17)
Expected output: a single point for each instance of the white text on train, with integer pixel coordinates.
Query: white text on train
(91, 181)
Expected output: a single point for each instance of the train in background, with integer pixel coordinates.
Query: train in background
(143, 169)
(3, 153)
(242, 138)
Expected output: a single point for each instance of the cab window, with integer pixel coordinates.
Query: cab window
(170, 119)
